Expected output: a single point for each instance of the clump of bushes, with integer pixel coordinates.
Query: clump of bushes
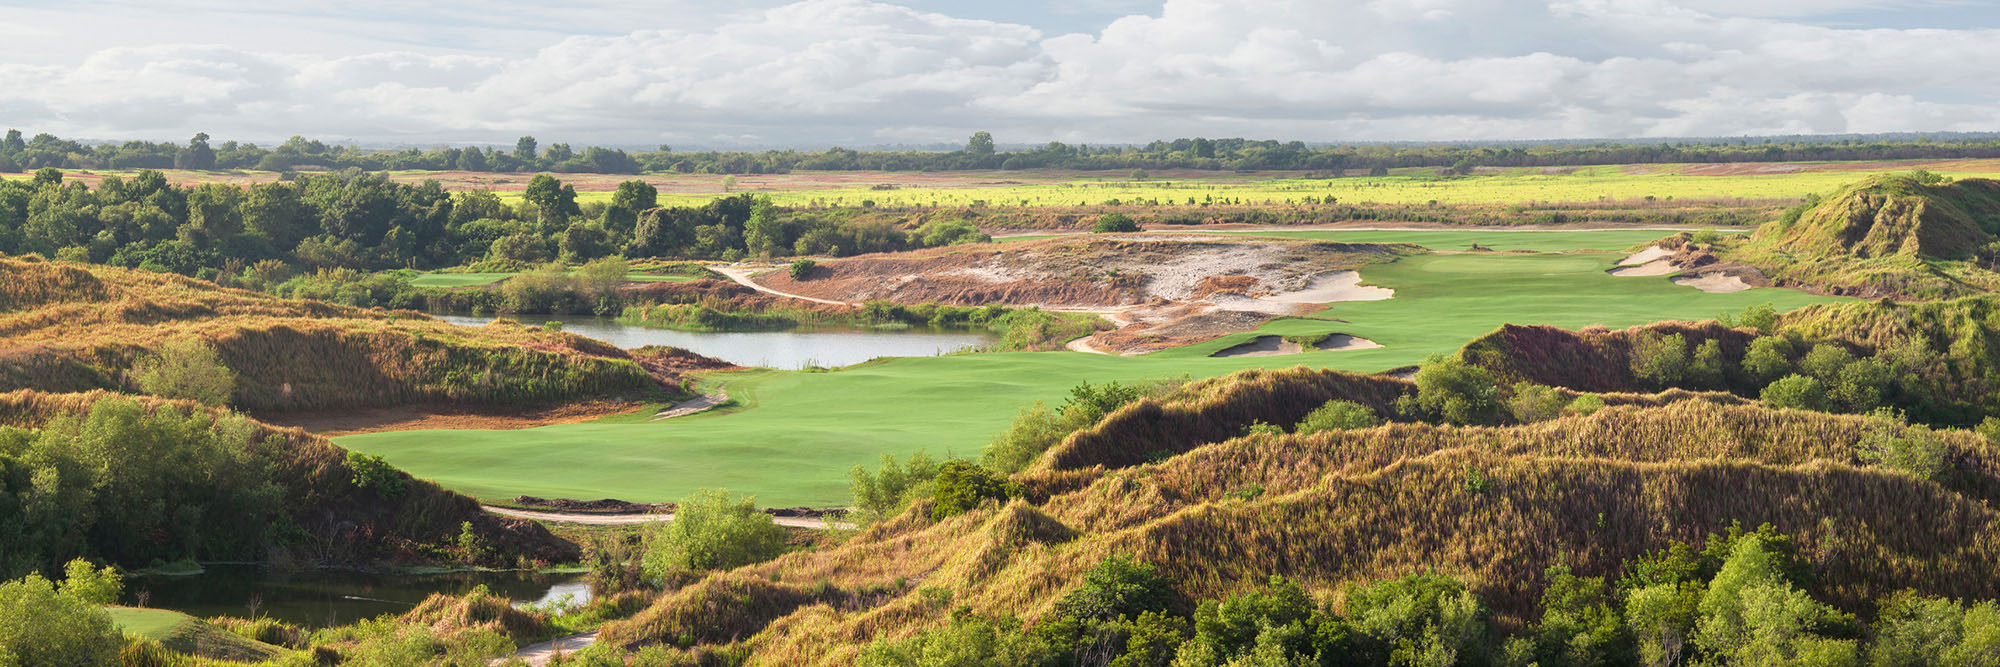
(711, 530)
(801, 268)
(1337, 415)
(1114, 223)
(186, 368)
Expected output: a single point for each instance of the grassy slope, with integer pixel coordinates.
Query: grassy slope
(1339, 507)
(186, 634)
(1887, 235)
(804, 430)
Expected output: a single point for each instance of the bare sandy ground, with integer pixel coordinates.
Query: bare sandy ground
(1714, 283)
(1658, 267)
(742, 274)
(441, 416)
(658, 517)
(1345, 342)
(1644, 256)
(1271, 346)
(694, 405)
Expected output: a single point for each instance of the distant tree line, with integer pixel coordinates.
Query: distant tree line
(265, 233)
(529, 155)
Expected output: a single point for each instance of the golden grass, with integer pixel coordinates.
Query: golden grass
(1494, 506)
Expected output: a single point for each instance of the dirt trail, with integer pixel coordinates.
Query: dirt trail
(742, 277)
(540, 654)
(1354, 228)
(635, 519)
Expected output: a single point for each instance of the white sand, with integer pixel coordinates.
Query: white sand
(1645, 256)
(1271, 346)
(1714, 283)
(1333, 287)
(1658, 267)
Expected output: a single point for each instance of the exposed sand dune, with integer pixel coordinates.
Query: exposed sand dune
(1346, 342)
(1658, 267)
(1714, 283)
(1644, 256)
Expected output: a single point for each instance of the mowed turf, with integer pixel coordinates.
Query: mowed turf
(802, 432)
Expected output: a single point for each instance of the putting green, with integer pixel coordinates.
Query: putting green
(801, 432)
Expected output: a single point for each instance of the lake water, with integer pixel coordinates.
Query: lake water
(326, 599)
(790, 349)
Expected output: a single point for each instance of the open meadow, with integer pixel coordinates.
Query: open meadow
(797, 433)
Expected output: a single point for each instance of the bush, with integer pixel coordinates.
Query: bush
(1891, 443)
(1118, 586)
(1916, 630)
(188, 369)
(1797, 392)
(950, 232)
(1751, 614)
(1428, 619)
(712, 530)
(1769, 358)
(1661, 361)
(92, 585)
(372, 472)
(1455, 392)
(1338, 415)
(1825, 362)
(970, 639)
(1708, 368)
(1580, 623)
(882, 494)
(40, 627)
(1534, 402)
(1114, 223)
(801, 268)
(962, 485)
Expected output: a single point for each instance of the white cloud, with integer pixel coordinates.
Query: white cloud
(859, 72)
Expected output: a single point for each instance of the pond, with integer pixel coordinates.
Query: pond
(326, 599)
(790, 350)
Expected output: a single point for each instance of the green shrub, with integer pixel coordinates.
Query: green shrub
(1661, 361)
(1534, 402)
(1752, 614)
(801, 268)
(963, 485)
(92, 585)
(1859, 386)
(712, 530)
(1118, 586)
(968, 640)
(1420, 619)
(1114, 223)
(879, 495)
(1580, 623)
(1825, 361)
(1337, 415)
(372, 472)
(1763, 318)
(1769, 358)
(950, 232)
(1261, 427)
(188, 369)
(1453, 391)
(1915, 630)
(1797, 392)
(1708, 368)
(40, 627)
(1894, 444)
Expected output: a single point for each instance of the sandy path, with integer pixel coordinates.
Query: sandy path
(1342, 228)
(540, 654)
(742, 277)
(634, 519)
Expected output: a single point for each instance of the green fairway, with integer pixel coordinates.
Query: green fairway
(1447, 240)
(156, 624)
(801, 432)
(477, 279)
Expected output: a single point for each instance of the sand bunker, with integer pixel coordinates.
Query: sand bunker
(1714, 283)
(1271, 346)
(1333, 287)
(1644, 256)
(1658, 267)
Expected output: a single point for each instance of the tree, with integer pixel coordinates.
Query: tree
(1535, 402)
(1708, 368)
(89, 584)
(524, 150)
(1897, 445)
(197, 155)
(890, 489)
(712, 530)
(1337, 415)
(186, 368)
(12, 145)
(981, 144)
(1825, 361)
(1752, 615)
(1580, 624)
(631, 199)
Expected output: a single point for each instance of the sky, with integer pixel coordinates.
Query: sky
(816, 73)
